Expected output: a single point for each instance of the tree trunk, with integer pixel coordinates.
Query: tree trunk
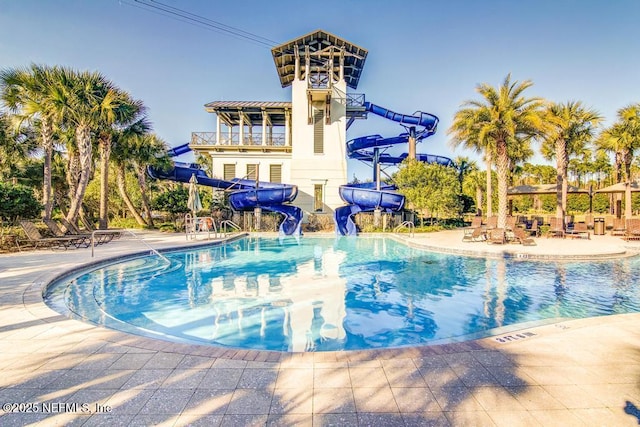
(489, 189)
(561, 180)
(47, 145)
(105, 153)
(479, 200)
(122, 188)
(83, 137)
(502, 169)
(146, 205)
(73, 173)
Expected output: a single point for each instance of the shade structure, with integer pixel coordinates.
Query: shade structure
(193, 203)
(522, 190)
(620, 187)
(623, 187)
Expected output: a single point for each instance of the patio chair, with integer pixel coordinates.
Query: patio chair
(474, 235)
(496, 235)
(633, 229)
(534, 230)
(511, 222)
(520, 236)
(619, 227)
(35, 238)
(492, 222)
(556, 228)
(84, 239)
(102, 237)
(580, 230)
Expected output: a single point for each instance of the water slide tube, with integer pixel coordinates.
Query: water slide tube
(245, 195)
(370, 196)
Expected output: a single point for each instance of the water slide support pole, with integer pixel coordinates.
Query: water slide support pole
(257, 211)
(412, 143)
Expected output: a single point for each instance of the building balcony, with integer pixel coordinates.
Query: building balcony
(274, 142)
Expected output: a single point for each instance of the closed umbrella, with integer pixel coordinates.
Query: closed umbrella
(193, 203)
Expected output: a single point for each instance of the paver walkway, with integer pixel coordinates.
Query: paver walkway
(57, 371)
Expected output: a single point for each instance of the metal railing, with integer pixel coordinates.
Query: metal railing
(406, 224)
(273, 139)
(231, 224)
(199, 224)
(135, 236)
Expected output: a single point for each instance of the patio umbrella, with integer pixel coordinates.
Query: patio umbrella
(193, 203)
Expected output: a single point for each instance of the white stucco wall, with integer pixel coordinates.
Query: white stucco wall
(309, 168)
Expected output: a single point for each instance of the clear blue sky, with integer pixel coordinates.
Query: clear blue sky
(423, 55)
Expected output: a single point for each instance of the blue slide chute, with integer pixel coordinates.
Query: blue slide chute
(245, 195)
(371, 196)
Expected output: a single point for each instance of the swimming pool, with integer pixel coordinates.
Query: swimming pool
(346, 293)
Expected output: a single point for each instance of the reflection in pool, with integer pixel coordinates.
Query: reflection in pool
(323, 294)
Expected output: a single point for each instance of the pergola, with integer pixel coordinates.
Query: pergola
(539, 189)
(622, 187)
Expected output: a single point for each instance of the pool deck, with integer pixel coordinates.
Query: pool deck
(59, 371)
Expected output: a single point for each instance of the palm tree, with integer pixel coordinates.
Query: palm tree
(27, 94)
(571, 126)
(623, 138)
(119, 111)
(137, 150)
(84, 100)
(503, 124)
(482, 146)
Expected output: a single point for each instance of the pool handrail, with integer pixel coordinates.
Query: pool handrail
(230, 224)
(137, 237)
(406, 224)
(191, 225)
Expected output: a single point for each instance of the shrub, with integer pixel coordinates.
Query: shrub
(18, 201)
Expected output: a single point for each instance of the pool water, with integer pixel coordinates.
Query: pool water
(324, 294)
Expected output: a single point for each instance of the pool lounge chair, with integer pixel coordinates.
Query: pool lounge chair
(580, 230)
(104, 235)
(534, 231)
(59, 232)
(496, 235)
(633, 229)
(520, 236)
(619, 227)
(35, 238)
(474, 235)
(556, 228)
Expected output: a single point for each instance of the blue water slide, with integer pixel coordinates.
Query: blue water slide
(245, 195)
(372, 196)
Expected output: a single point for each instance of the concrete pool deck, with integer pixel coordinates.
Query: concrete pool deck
(59, 371)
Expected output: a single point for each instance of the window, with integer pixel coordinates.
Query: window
(252, 171)
(318, 130)
(318, 201)
(229, 171)
(275, 173)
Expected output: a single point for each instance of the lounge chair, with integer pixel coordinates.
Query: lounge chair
(633, 229)
(534, 230)
(580, 230)
(496, 235)
(474, 235)
(619, 227)
(35, 238)
(520, 236)
(58, 232)
(105, 235)
(492, 222)
(556, 228)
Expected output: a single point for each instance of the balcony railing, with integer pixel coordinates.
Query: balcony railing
(275, 139)
(355, 99)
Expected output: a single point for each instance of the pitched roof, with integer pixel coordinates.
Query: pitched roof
(319, 41)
